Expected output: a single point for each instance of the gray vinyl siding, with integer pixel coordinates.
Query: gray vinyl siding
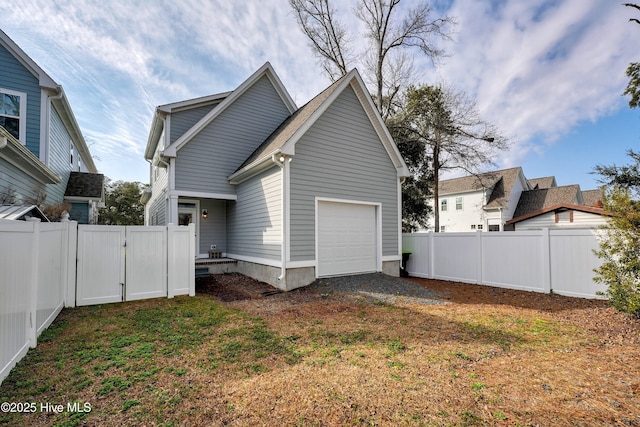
(13, 180)
(213, 229)
(14, 76)
(157, 203)
(59, 157)
(255, 221)
(341, 157)
(182, 121)
(157, 211)
(206, 161)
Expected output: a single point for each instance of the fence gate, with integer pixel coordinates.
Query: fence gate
(117, 263)
(100, 271)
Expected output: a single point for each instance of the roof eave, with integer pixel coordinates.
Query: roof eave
(15, 153)
(64, 109)
(253, 168)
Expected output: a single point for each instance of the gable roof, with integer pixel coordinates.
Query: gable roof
(58, 98)
(545, 182)
(44, 79)
(266, 70)
(559, 207)
(592, 197)
(157, 122)
(85, 185)
(284, 138)
(500, 183)
(543, 198)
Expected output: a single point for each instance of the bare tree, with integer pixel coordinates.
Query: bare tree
(328, 36)
(389, 31)
(449, 127)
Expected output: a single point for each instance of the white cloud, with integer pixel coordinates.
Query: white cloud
(539, 68)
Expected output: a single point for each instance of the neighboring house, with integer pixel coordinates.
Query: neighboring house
(559, 207)
(480, 202)
(291, 194)
(40, 141)
(498, 200)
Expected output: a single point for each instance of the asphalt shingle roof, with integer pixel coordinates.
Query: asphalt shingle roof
(535, 200)
(592, 197)
(544, 182)
(500, 183)
(83, 184)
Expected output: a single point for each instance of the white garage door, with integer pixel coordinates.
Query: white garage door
(346, 238)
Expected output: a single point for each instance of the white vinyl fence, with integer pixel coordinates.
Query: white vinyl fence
(558, 261)
(38, 273)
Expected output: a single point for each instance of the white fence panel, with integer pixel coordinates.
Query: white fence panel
(16, 249)
(101, 258)
(455, 258)
(146, 262)
(419, 245)
(514, 261)
(573, 262)
(52, 263)
(561, 261)
(181, 260)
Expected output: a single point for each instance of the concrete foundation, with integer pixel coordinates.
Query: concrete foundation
(295, 277)
(391, 268)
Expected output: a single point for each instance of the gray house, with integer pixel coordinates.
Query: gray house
(41, 145)
(289, 194)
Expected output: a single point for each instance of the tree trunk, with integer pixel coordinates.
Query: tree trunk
(436, 179)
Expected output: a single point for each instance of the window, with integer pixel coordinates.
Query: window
(442, 228)
(480, 227)
(494, 228)
(458, 203)
(13, 107)
(71, 153)
(473, 226)
(443, 205)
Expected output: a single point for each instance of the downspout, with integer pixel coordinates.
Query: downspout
(283, 164)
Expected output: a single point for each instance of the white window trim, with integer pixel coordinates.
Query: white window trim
(444, 204)
(461, 203)
(23, 113)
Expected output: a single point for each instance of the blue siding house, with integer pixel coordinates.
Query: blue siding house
(291, 194)
(41, 144)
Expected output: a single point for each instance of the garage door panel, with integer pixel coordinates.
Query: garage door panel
(346, 238)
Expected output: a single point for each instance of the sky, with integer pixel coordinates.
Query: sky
(549, 74)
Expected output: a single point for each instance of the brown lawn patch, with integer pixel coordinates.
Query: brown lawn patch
(232, 357)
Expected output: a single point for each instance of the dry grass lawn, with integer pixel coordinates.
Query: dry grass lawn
(485, 356)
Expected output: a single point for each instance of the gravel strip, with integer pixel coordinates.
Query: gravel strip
(379, 288)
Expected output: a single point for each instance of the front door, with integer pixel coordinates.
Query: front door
(188, 214)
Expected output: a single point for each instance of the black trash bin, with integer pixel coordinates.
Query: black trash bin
(403, 267)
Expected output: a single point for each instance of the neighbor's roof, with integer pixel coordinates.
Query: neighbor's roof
(500, 183)
(537, 200)
(545, 182)
(85, 185)
(20, 212)
(592, 197)
(559, 207)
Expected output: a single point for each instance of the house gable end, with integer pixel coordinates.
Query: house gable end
(341, 157)
(209, 157)
(265, 71)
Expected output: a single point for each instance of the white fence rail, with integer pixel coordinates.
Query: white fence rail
(559, 261)
(38, 274)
